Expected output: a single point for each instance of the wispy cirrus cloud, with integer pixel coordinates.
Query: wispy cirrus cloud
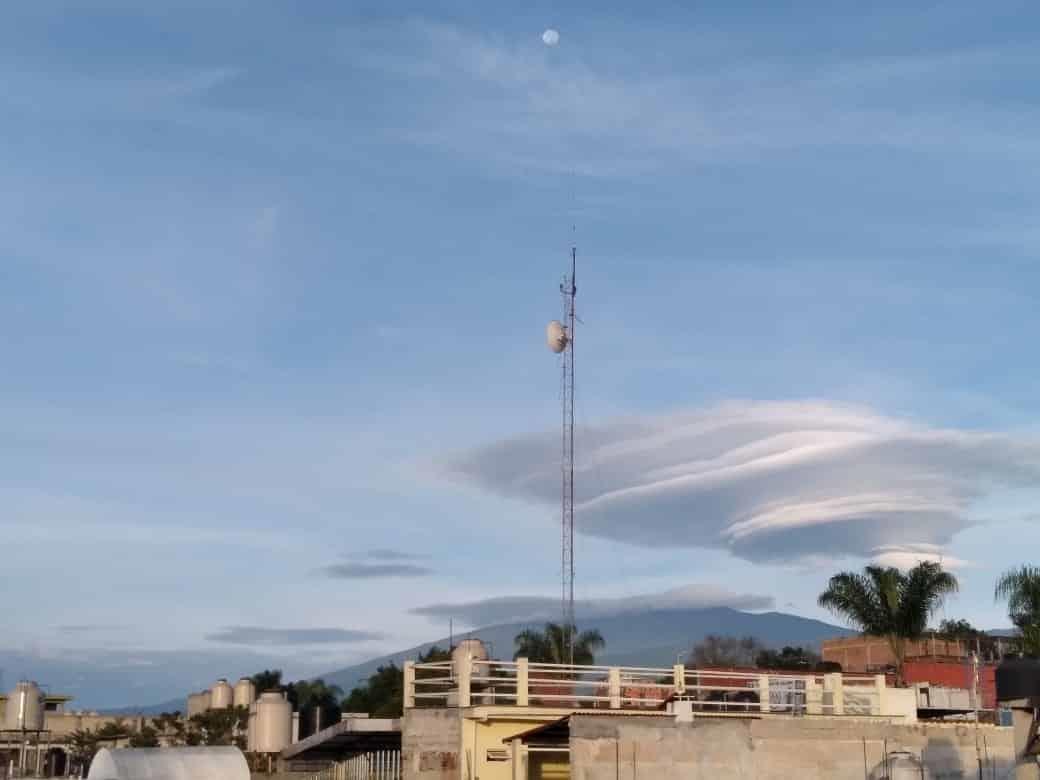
(772, 481)
(387, 554)
(89, 628)
(520, 608)
(360, 570)
(259, 635)
(575, 109)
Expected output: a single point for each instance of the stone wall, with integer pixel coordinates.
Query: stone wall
(430, 740)
(658, 748)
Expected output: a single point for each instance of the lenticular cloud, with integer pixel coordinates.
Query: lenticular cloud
(767, 481)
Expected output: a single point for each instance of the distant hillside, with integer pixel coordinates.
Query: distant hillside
(633, 639)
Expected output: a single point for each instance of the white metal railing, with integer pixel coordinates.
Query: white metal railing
(377, 765)
(522, 683)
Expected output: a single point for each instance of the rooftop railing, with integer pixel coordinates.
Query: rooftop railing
(521, 683)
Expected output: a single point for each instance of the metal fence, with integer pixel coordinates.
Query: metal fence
(378, 765)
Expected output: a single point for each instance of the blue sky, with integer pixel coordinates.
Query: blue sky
(269, 275)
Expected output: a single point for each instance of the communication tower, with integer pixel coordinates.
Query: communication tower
(560, 336)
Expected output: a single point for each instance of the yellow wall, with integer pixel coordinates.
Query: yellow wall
(495, 732)
(548, 766)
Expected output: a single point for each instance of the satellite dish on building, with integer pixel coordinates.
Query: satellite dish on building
(556, 336)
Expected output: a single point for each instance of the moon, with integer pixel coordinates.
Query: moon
(550, 37)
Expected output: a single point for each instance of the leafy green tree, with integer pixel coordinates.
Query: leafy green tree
(113, 731)
(83, 746)
(382, 695)
(311, 697)
(788, 658)
(1020, 588)
(147, 737)
(552, 645)
(889, 603)
(218, 727)
(716, 650)
(171, 727)
(268, 680)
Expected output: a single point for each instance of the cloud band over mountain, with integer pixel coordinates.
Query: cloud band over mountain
(521, 608)
(765, 480)
(261, 636)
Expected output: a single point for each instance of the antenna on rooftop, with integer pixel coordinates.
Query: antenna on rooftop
(560, 337)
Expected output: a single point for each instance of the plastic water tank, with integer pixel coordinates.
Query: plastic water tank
(469, 650)
(220, 695)
(186, 763)
(272, 732)
(245, 693)
(24, 708)
(1018, 678)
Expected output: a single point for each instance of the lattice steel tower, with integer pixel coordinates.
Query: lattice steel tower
(561, 341)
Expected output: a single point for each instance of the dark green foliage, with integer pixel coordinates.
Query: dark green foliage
(727, 651)
(958, 629)
(552, 645)
(218, 727)
(268, 680)
(310, 697)
(788, 658)
(147, 737)
(1020, 588)
(889, 603)
(382, 695)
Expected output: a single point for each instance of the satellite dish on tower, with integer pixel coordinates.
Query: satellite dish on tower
(556, 336)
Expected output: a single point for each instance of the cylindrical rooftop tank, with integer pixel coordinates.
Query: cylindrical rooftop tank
(198, 703)
(183, 763)
(273, 723)
(245, 693)
(24, 708)
(469, 650)
(1018, 678)
(220, 695)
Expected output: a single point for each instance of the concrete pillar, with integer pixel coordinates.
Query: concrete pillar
(463, 674)
(614, 684)
(880, 685)
(813, 697)
(763, 692)
(409, 684)
(522, 676)
(837, 687)
(517, 759)
(679, 678)
(1022, 722)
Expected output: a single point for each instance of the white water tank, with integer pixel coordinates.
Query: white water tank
(273, 723)
(24, 708)
(245, 693)
(468, 651)
(198, 703)
(183, 763)
(221, 695)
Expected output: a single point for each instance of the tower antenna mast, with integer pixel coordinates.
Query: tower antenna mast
(561, 341)
(569, 288)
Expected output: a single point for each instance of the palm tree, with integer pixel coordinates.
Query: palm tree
(1020, 588)
(553, 645)
(890, 603)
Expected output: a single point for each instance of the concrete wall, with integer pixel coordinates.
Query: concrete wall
(618, 748)
(430, 742)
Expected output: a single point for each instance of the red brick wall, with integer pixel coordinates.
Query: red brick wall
(954, 675)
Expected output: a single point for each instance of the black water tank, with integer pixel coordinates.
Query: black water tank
(1018, 678)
